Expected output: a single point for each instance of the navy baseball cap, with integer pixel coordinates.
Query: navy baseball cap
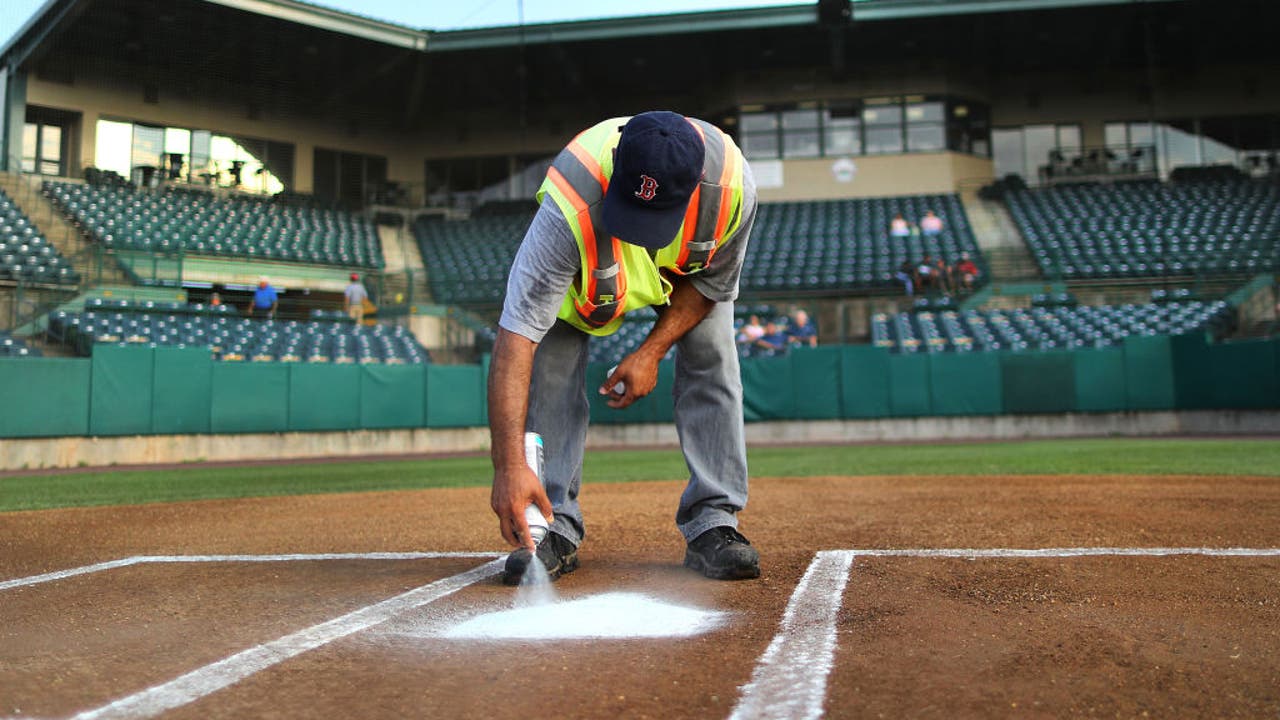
(656, 167)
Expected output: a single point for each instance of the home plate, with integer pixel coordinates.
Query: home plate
(611, 615)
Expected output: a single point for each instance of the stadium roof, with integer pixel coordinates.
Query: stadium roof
(54, 13)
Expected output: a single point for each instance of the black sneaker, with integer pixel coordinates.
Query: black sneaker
(721, 553)
(558, 556)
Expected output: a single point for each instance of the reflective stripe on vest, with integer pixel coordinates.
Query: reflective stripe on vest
(578, 180)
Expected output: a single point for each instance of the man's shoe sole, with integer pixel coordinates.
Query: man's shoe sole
(694, 561)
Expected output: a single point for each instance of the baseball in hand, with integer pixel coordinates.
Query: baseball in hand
(620, 387)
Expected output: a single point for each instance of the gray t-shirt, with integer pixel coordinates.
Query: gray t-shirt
(355, 294)
(548, 261)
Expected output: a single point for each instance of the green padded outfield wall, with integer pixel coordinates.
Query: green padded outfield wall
(455, 396)
(910, 393)
(1038, 382)
(1148, 373)
(172, 390)
(864, 391)
(817, 383)
(182, 390)
(767, 391)
(324, 397)
(966, 384)
(250, 397)
(120, 399)
(395, 396)
(44, 396)
(1099, 379)
(1225, 375)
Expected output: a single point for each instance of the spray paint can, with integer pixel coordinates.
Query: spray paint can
(533, 457)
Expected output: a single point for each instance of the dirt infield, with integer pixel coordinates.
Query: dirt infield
(1107, 635)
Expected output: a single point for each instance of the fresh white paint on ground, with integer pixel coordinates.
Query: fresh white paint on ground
(609, 615)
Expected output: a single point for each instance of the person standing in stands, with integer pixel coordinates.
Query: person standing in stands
(265, 301)
(353, 299)
(649, 211)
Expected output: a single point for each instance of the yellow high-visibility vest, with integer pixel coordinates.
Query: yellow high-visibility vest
(616, 276)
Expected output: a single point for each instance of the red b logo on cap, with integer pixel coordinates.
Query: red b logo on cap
(648, 188)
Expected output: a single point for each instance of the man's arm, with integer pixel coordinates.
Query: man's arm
(639, 370)
(515, 485)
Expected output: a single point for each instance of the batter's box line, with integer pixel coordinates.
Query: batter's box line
(790, 678)
(206, 680)
(290, 557)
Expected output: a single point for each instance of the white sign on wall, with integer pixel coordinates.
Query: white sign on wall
(768, 173)
(844, 170)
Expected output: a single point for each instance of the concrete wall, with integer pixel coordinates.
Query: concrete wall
(873, 176)
(88, 451)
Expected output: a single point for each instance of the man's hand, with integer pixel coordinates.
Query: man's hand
(638, 372)
(514, 490)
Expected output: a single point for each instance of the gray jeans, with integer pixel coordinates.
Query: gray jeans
(708, 417)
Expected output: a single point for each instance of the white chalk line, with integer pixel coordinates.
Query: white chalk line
(211, 678)
(789, 681)
(293, 557)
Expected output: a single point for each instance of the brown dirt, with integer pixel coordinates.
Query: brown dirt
(922, 637)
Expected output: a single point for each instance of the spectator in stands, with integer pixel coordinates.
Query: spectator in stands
(926, 279)
(353, 299)
(907, 276)
(215, 300)
(898, 226)
(942, 274)
(749, 333)
(801, 330)
(772, 343)
(265, 301)
(931, 224)
(964, 273)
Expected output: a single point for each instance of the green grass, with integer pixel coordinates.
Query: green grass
(1071, 457)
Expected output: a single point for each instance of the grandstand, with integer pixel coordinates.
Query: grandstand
(1151, 229)
(325, 339)
(25, 254)
(122, 218)
(150, 162)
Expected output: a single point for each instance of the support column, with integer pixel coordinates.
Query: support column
(13, 116)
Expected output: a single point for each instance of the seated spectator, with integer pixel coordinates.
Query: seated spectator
(772, 343)
(925, 274)
(930, 224)
(215, 300)
(750, 332)
(965, 272)
(801, 330)
(907, 276)
(942, 275)
(898, 226)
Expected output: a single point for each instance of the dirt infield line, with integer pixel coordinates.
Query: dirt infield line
(790, 678)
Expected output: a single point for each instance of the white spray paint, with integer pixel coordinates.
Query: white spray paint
(610, 615)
